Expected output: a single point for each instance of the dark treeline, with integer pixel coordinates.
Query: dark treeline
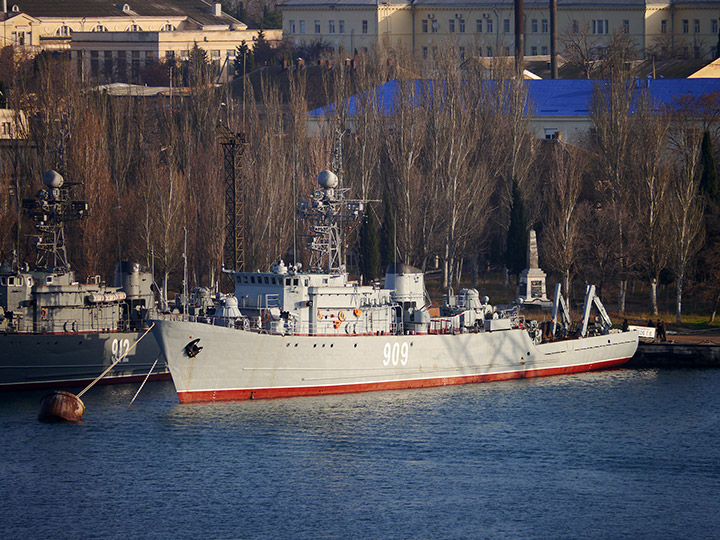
(450, 166)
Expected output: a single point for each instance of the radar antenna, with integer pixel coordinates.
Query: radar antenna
(51, 208)
(327, 211)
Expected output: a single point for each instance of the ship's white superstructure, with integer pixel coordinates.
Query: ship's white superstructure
(291, 333)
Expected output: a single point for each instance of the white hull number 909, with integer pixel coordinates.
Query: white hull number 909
(395, 353)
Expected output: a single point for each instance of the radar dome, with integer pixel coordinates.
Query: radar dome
(327, 179)
(53, 179)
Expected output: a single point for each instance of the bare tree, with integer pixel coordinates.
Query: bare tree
(650, 183)
(564, 169)
(610, 115)
(687, 205)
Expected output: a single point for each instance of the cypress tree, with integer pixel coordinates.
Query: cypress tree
(369, 249)
(709, 178)
(517, 241)
(387, 235)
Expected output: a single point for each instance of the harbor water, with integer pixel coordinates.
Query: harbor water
(619, 454)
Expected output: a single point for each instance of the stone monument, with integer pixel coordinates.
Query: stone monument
(532, 279)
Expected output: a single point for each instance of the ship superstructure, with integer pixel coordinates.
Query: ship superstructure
(286, 332)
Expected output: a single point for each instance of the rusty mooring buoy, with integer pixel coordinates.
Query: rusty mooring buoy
(61, 407)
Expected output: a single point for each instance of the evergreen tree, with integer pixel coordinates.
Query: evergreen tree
(264, 53)
(244, 59)
(709, 179)
(387, 235)
(517, 239)
(369, 249)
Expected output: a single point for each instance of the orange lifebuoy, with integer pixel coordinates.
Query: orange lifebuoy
(43, 313)
(319, 315)
(357, 312)
(266, 316)
(337, 324)
(341, 316)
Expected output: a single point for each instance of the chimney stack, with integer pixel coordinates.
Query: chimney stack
(553, 40)
(217, 9)
(519, 37)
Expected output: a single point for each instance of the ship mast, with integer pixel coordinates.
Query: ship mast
(51, 208)
(327, 211)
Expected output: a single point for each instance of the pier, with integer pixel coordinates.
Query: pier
(679, 351)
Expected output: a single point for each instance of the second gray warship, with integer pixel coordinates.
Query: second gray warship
(56, 331)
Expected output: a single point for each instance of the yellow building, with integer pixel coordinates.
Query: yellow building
(486, 28)
(105, 36)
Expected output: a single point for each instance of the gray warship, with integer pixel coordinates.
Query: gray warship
(58, 332)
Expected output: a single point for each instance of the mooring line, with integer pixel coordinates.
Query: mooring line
(143, 383)
(89, 386)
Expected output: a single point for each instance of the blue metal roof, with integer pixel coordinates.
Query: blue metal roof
(565, 97)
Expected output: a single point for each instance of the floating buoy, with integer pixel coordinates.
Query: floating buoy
(61, 407)
(357, 312)
(341, 315)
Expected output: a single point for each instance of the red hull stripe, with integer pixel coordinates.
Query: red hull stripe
(270, 393)
(82, 382)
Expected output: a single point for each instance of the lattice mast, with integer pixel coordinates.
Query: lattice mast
(51, 208)
(233, 145)
(328, 210)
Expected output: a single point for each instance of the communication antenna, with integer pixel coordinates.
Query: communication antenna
(51, 208)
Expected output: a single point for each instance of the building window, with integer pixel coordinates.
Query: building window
(714, 26)
(100, 28)
(506, 26)
(424, 26)
(331, 27)
(489, 51)
(94, 63)
(533, 51)
(424, 52)
(489, 26)
(435, 27)
(478, 26)
(544, 50)
(64, 30)
(507, 51)
(133, 28)
(451, 25)
(626, 26)
(342, 27)
(461, 52)
(685, 26)
(696, 26)
(302, 27)
(108, 64)
(462, 26)
(575, 26)
(544, 26)
(534, 26)
(292, 27)
(168, 28)
(169, 55)
(364, 27)
(663, 26)
(600, 26)
(317, 27)
(552, 134)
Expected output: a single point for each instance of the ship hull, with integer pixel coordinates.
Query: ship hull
(31, 361)
(238, 365)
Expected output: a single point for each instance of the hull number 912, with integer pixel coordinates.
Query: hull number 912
(395, 354)
(120, 347)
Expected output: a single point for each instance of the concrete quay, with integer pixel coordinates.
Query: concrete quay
(679, 351)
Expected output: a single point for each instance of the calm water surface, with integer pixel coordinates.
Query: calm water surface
(620, 454)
